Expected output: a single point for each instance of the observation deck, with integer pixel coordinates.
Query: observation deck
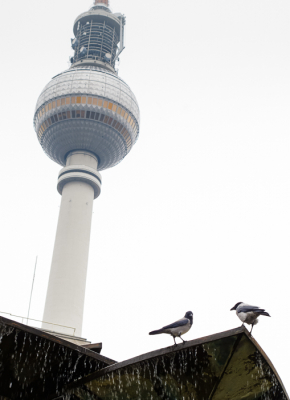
(87, 108)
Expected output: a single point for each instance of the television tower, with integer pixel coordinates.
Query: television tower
(87, 120)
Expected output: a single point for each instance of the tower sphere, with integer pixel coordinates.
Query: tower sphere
(88, 107)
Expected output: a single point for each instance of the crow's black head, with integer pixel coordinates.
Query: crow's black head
(236, 306)
(189, 315)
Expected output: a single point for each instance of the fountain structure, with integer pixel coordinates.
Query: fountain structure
(230, 365)
(87, 120)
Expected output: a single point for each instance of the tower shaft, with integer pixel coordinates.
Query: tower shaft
(66, 289)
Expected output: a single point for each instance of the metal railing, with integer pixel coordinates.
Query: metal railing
(37, 320)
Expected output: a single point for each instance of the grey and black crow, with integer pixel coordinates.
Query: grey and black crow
(178, 328)
(249, 314)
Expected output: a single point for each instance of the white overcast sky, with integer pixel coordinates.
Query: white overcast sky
(197, 217)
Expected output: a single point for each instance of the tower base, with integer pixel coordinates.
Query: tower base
(73, 339)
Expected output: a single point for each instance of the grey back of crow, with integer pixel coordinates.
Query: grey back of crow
(249, 314)
(178, 328)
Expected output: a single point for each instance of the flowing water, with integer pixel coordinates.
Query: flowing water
(36, 367)
(32, 366)
(228, 369)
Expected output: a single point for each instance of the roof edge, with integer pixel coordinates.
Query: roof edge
(62, 342)
(242, 330)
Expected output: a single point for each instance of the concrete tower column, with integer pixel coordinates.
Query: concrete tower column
(79, 183)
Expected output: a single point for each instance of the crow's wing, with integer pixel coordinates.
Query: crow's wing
(247, 308)
(180, 322)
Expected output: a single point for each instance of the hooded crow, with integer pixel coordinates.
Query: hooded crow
(178, 328)
(249, 314)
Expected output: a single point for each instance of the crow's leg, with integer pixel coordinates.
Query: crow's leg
(252, 329)
(174, 341)
(181, 338)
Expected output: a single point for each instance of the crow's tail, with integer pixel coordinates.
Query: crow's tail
(156, 332)
(265, 313)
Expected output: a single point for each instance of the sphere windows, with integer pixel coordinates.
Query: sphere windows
(88, 115)
(82, 100)
(80, 114)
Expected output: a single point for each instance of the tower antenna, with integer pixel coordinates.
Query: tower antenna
(31, 291)
(106, 2)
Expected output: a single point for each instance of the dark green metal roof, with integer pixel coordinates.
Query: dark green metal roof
(226, 366)
(36, 365)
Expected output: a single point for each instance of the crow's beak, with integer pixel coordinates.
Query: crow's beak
(232, 309)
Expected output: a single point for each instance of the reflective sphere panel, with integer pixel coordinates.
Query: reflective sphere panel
(87, 109)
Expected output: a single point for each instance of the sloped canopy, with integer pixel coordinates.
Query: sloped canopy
(35, 365)
(226, 366)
